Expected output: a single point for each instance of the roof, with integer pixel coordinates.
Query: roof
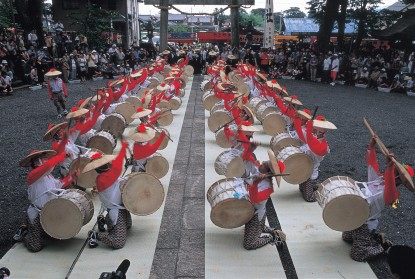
(177, 17)
(404, 27)
(396, 7)
(309, 26)
(202, 19)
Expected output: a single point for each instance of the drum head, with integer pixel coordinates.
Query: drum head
(164, 104)
(236, 167)
(61, 218)
(101, 143)
(209, 101)
(222, 140)
(346, 212)
(189, 70)
(142, 194)
(281, 144)
(232, 213)
(273, 124)
(126, 110)
(165, 119)
(175, 103)
(115, 125)
(135, 101)
(300, 168)
(86, 180)
(157, 166)
(218, 119)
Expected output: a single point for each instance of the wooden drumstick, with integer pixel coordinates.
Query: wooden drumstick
(254, 143)
(227, 123)
(378, 141)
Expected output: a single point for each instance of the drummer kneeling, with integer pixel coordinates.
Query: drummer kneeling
(260, 188)
(108, 181)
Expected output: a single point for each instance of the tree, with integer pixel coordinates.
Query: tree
(259, 11)
(246, 19)
(93, 22)
(294, 12)
(179, 28)
(327, 22)
(7, 13)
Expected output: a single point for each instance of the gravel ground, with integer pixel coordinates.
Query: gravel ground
(25, 117)
(392, 117)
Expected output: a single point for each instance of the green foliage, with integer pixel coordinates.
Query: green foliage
(93, 21)
(316, 10)
(179, 28)
(278, 18)
(6, 14)
(259, 11)
(294, 12)
(246, 19)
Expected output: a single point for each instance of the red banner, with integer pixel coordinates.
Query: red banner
(206, 37)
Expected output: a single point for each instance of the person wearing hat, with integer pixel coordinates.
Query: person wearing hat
(317, 148)
(142, 148)
(109, 181)
(57, 91)
(260, 187)
(380, 191)
(42, 187)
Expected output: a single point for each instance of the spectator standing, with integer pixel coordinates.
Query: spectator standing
(32, 38)
(73, 67)
(313, 67)
(5, 84)
(334, 69)
(326, 68)
(83, 68)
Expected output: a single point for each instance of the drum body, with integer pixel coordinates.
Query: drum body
(111, 108)
(98, 124)
(273, 123)
(86, 180)
(63, 217)
(157, 165)
(175, 103)
(264, 109)
(115, 124)
(206, 85)
(221, 138)
(209, 100)
(298, 164)
(83, 139)
(344, 205)
(230, 206)
(282, 140)
(230, 163)
(142, 193)
(218, 119)
(102, 141)
(255, 102)
(126, 110)
(217, 106)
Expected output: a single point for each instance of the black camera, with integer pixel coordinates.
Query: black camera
(4, 272)
(120, 273)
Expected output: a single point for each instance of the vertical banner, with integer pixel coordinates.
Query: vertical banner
(269, 24)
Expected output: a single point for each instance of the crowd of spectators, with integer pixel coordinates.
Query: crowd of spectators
(25, 58)
(384, 69)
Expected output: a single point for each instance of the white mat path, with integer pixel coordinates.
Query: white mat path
(225, 256)
(55, 259)
(316, 250)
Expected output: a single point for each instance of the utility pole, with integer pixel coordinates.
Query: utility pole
(164, 19)
(235, 23)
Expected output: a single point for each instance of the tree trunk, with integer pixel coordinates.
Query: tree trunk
(327, 24)
(35, 10)
(21, 17)
(361, 28)
(341, 24)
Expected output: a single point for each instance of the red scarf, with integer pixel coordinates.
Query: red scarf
(319, 147)
(390, 194)
(144, 151)
(257, 197)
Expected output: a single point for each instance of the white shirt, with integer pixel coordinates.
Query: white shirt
(326, 64)
(335, 65)
(112, 200)
(56, 85)
(40, 192)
